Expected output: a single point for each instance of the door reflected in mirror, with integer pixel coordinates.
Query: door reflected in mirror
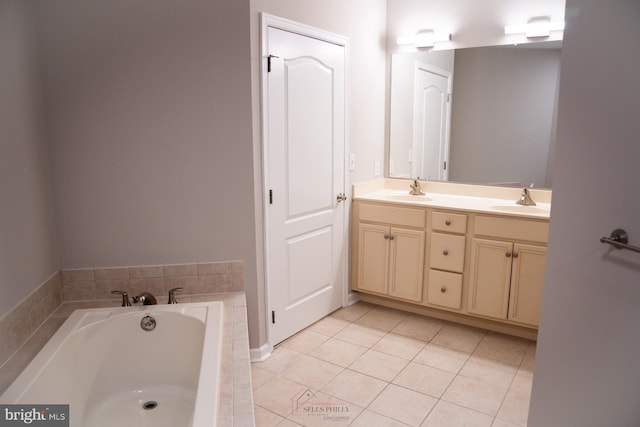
(502, 115)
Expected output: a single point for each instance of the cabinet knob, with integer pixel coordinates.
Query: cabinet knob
(445, 252)
(447, 222)
(386, 236)
(508, 254)
(391, 237)
(443, 289)
(515, 254)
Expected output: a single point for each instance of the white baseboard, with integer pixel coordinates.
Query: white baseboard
(352, 298)
(260, 354)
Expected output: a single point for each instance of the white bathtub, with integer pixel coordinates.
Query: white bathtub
(106, 367)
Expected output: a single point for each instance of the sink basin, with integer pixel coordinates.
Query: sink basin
(408, 198)
(521, 209)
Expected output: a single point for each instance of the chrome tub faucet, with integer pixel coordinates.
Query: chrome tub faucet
(145, 298)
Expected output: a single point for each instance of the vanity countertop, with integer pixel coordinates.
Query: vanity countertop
(452, 196)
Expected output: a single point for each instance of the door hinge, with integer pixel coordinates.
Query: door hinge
(273, 316)
(270, 197)
(269, 62)
(448, 97)
(445, 165)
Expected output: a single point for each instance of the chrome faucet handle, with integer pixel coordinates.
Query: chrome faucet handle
(125, 298)
(172, 297)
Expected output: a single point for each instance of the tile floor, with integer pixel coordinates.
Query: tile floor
(366, 365)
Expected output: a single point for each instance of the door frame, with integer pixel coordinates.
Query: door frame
(270, 21)
(419, 65)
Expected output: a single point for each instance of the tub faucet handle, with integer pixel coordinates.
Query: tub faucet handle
(172, 297)
(125, 298)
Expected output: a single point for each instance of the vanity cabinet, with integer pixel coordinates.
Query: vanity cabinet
(446, 259)
(506, 274)
(391, 251)
(480, 269)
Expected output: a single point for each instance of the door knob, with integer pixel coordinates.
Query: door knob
(341, 197)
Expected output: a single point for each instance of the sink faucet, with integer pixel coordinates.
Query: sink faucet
(525, 198)
(145, 298)
(415, 188)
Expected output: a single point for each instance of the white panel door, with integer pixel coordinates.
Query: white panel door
(304, 175)
(431, 124)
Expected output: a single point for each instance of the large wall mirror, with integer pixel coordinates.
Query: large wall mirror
(482, 115)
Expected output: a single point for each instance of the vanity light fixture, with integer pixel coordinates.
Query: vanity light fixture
(425, 38)
(535, 28)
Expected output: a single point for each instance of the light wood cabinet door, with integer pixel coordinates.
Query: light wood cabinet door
(406, 263)
(527, 283)
(490, 277)
(373, 258)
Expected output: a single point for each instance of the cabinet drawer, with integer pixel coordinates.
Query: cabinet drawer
(445, 289)
(447, 252)
(408, 217)
(513, 229)
(449, 222)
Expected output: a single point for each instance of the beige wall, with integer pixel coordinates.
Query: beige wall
(149, 117)
(28, 253)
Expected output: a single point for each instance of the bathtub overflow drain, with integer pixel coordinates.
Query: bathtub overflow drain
(148, 323)
(152, 404)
